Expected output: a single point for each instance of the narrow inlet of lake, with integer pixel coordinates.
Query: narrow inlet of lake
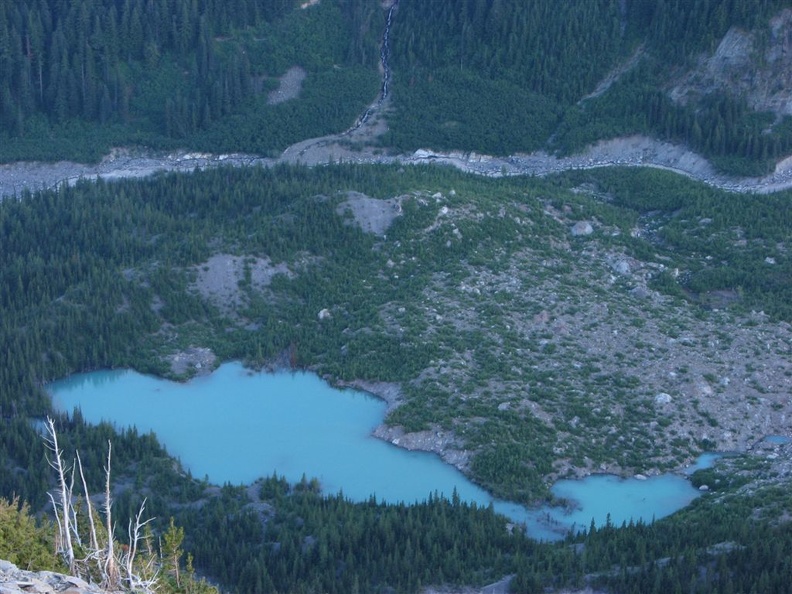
(235, 426)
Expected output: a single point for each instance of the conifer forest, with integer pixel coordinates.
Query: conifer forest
(601, 319)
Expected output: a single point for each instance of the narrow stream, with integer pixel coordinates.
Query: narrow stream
(386, 71)
(385, 53)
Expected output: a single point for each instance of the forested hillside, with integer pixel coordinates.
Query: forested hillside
(466, 303)
(78, 76)
(500, 77)
(616, 320)
(489, 76)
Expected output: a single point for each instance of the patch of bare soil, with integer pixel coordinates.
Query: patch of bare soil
(370, 214)
(221, 279)
(289, 86)
(617, 73)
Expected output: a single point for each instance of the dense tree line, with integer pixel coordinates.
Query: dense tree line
(555, 50)
(72, 59)
(291, 539)
(490, 76)
(312, 543)
(144, 70)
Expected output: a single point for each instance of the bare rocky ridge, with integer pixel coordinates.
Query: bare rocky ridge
(17, 581)
(744, 65)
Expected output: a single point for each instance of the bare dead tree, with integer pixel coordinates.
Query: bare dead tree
(110, 573)
(146, 578)
(64, 506)
(115, 571)
(94, 540)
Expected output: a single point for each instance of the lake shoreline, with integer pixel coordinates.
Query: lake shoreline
(295, 423)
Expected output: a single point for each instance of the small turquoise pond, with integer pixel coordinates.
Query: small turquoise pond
(777, 439)
(235, 426)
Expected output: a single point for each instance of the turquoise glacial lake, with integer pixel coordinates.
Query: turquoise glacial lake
(235, 426)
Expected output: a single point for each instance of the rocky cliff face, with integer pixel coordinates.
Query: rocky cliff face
(753, 65)
(14, 580)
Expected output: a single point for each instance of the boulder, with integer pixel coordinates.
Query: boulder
(621, 267)
(582, 228)
(663, 398)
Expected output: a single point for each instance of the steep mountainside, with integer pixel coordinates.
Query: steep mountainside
(514, 77)
(493, 77)
(755, 65)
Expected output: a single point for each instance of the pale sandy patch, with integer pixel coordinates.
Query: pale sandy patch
(289, 86)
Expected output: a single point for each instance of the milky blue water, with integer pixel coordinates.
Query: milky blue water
(602, 496)
(704, 461)
(777, 439)
(236, 426)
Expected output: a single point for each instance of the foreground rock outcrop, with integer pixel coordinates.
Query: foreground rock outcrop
(14, 580)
